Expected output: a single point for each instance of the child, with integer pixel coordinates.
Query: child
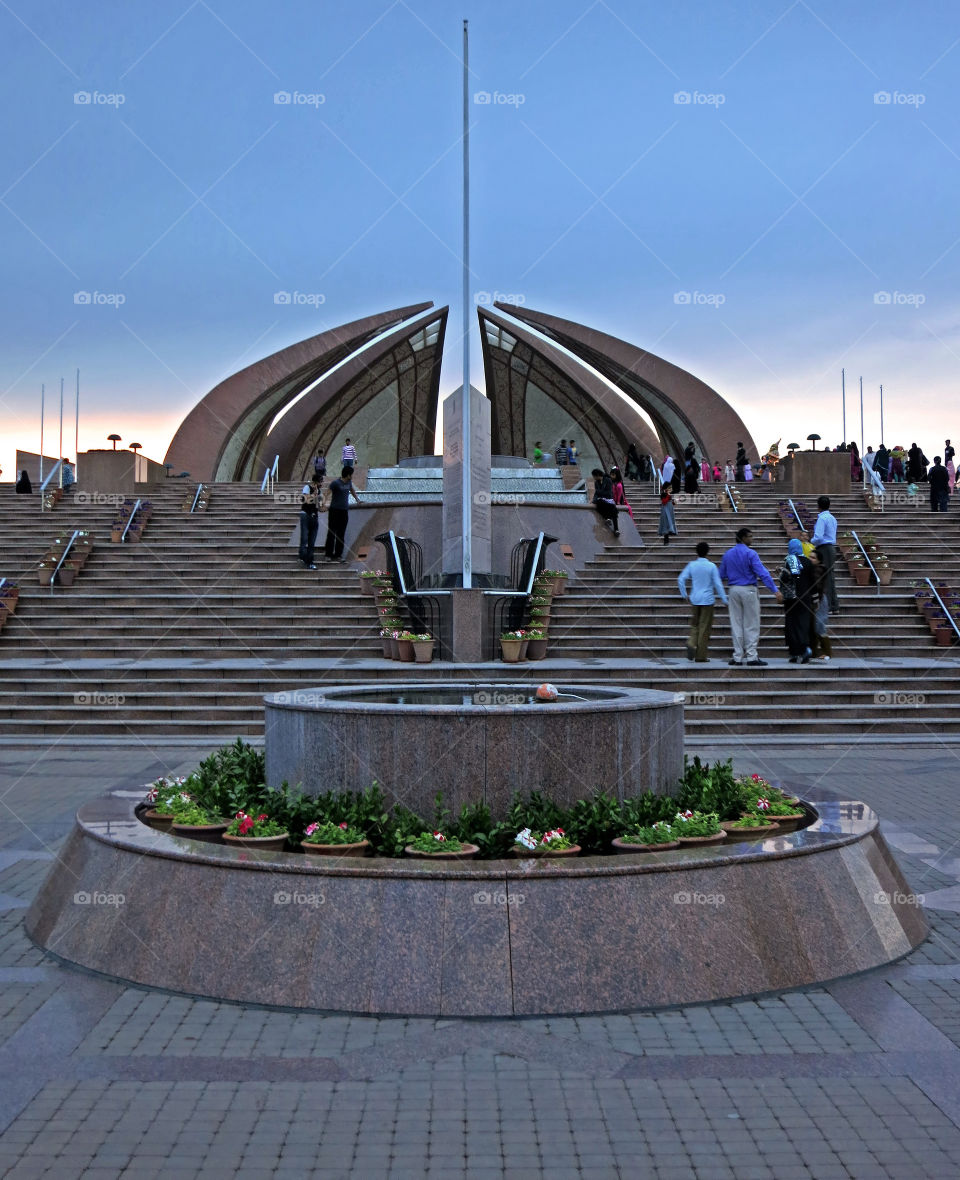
(667, 527)
(728, 473)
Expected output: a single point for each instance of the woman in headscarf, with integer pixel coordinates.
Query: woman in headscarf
(797, 583)
(916, 464)
(691, 472)
(667, 527)
(667, 470)
(24, 487)
(856, 467)
(619, 495)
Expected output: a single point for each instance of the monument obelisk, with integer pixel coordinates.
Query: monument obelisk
(466, 444)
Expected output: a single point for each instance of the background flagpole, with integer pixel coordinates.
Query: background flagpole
(465, 434)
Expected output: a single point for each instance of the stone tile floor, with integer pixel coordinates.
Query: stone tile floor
(859, 1078)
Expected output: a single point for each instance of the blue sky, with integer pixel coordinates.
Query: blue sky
(783, 198)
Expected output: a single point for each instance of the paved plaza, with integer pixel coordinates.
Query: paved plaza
(860, 1078)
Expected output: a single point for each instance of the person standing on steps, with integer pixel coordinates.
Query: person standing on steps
(702, 593)
(338, 513)
(309, 524)
(939, 486)
(667, 527)
(348, 456)
(824, 540)
(603, 500)
(797, 585)
(319, 468)
(741, 461)
(742, 570)
(948, 454)
(560, 455)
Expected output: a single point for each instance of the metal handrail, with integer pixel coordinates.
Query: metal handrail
(935, 595)
(43, 487)
(53, 576)
(133, 513)
(730, 497)
(270, 476)
(657, 481)
(401, 579)
(3, 582)
(193, 506)
(877, 482)
(866, 557)
(793, 509)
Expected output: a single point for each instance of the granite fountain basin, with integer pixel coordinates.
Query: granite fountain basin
(475, 741)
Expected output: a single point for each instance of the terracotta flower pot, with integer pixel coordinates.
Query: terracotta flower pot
(757, 830)
(158, 819)
(45, 575)
(944, 636)
(423, 651)
(716, 839)
(620, 845)
(116, 535)
(67, 575)
(268, 843)
(392, 645)
(405, 651)
(366, 586)
(363, 848)
(861, 575)
(536, 649)
(884, 575)
(511, 650)
(467, 852)
(387, 649)
(208, 833)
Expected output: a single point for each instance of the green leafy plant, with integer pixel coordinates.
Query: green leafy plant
(758, 820)
(191, 813)
(431, 843)
(590, 821)
(255, 826)
(327, 832)
(554, 840)
(696, 824)
(658, 833)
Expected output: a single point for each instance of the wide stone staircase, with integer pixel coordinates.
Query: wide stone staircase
(178, 637)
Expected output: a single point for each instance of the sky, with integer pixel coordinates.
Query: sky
(762, 192)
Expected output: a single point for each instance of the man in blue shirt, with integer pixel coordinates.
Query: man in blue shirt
(824, 539)
(743, 570)
(702, 592)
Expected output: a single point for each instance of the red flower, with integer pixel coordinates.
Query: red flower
(245, 825)
(439, 836)
(261, 818)
(343, 827)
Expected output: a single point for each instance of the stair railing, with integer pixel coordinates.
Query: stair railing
(793, 509)
(876, 485)
(936, 595)
(130, 520)
(657, 481)
(43, 487)
(193, 506)
(270, 477)
(63, 558)
(731, 498)
(866, 557)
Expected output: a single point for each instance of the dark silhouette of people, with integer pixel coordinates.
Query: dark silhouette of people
(24, 486)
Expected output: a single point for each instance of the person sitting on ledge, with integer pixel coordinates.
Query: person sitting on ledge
(603, 500)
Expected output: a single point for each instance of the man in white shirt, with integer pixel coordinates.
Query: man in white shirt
(702, 592)
(348, 456)
(825, 540)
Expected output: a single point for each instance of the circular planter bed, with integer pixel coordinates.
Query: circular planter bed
(733, 829)
(466, 852)
(157, 819)
(363, 848)
(269, 843)
(620, 845)
(715, 839)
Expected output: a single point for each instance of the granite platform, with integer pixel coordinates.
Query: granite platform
(488, 938)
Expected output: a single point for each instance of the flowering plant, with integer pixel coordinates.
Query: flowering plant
(697, 823)
(373, 573)
(254, 826)
(752, 821)
(514, 636)
(194, 815)
(424, 638)
(162, 787)
(658, 833)
(432, 842)
(535, 633)
(327, 832)
(777, 806)
(555, 840)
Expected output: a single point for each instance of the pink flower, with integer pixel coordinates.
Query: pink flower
(311, 829)
(343, 827)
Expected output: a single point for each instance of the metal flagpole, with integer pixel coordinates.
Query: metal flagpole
(465, 439)
(881, 415)
(843, 397)
(76, 437)
(60, 452)
(861, 418)
(43, 391)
